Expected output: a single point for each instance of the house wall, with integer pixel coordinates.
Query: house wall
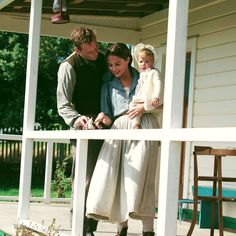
(214, 105)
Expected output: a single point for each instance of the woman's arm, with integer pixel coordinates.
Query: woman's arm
(135, 110)
(102, 121)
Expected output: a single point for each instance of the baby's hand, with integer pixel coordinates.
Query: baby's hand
(155, 102)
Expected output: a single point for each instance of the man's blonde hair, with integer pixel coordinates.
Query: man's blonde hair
(82, 35)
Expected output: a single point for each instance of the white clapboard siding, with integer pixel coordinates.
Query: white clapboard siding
(155, 30)
(216, 66)
(217, 52)
(203, 19)
(215, 108)
(157, 41)
(215, 80)
(207, 13)
(217, 38)
(214, 121)
(216, 94)
(213, 25)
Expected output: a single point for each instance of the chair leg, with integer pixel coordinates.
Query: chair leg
(180, 212)
(221, 231)
(194, 219)
(213, 206)
(195, 196)
(220, 210)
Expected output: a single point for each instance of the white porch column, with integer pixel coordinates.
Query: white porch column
(29, 108)
(79, 187)
(172, 116)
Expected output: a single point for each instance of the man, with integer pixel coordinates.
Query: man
(78, 96)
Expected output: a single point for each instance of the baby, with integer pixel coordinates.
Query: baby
(149, 90)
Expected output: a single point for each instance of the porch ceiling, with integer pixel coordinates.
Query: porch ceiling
(119, 8)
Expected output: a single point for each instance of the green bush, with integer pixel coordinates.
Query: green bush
(61, 182)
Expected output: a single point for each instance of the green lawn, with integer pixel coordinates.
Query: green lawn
(4, 234)
(9, 185)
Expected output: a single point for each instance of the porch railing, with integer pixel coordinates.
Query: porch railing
(44, 152)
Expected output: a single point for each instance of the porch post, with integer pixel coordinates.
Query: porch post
(172, 116)
(79, 187)
(29, 109)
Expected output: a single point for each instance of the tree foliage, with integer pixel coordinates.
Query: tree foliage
(13, 63)
(52, 52)
(13, 54)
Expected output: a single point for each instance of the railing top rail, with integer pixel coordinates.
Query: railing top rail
(14, 137)
(171, 134)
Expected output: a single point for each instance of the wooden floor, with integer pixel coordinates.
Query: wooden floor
(44, 214)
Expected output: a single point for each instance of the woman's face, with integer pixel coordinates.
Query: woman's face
(117, 65)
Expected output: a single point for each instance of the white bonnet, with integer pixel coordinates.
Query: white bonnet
(141, 46)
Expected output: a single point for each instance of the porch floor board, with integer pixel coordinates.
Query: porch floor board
(44, 214)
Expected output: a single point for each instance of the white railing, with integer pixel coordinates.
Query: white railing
(51, 137)
(173, 135)
(48, 170)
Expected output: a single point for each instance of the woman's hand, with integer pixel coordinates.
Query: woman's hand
(102, 120)
(137, 109)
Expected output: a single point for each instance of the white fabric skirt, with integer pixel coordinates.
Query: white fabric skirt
(123, 182)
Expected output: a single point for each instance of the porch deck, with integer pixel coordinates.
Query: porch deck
(44, 214)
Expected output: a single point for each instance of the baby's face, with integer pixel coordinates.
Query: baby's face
(145, 63)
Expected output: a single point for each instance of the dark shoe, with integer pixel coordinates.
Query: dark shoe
(91, 225)
(123, 232)
(148, 233)
(90, 234)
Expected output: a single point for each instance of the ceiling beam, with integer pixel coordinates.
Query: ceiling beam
(4, 3)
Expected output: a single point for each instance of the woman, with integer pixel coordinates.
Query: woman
(123, 182)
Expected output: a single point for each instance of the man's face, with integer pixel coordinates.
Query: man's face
(88, 51)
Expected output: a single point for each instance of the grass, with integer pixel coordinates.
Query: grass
(35, 192)
(9, 184)
(4, 234)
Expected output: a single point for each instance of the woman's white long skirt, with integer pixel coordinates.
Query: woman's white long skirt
(123, 182)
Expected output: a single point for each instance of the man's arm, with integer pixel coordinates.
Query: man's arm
(65, 89)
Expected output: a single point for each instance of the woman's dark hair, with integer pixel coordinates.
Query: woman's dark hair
(120, 50)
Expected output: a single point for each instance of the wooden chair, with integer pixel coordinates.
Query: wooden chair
(216, 180)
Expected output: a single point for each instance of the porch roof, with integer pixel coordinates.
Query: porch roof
(118, 8)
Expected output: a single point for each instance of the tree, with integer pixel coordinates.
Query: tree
(52, 52)
(13, 62)
(13, 54)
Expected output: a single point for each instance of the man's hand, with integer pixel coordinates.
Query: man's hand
(81, 122)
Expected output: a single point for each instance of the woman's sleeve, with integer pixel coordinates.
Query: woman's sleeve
(106, 100)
